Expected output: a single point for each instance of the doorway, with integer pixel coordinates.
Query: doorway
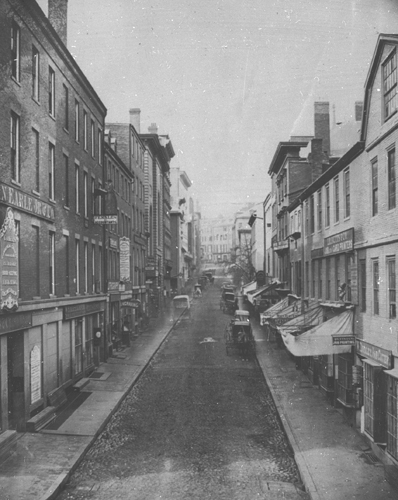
(16, 380)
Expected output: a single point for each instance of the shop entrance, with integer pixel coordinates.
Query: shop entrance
(15, 365)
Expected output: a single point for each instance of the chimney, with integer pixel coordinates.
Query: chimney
(153, 129)
(358, 111)
(135, 119)
(58, 17)
(318, 159)
(322, 124)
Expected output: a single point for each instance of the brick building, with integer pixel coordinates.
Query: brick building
(52, 281)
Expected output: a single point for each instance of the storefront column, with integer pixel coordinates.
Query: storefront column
(3, 383)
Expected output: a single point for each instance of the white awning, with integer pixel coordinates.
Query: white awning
(392, 373)
(319, 340)
(249, 287)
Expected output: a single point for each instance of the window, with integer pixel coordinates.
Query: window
(375, 188)
(77, 265)
(319, 210)
(92, 138)
(327, 214)
(66, 242)
(362, 277)
(14, 142)
(336, 200)
(392, 416)
(320, 291)
(36, 149)
(347, 207)
(92, 195)
(306, 218)
(376, 278)
(390, 85)
(78, 346)
(51, 254)
(313, 278)
(85, 194)
(85, 267)
(51, 91)
(15, 51)
(66, 169)
(77, 121)
(77, 200)
(85, 131)
(100, 146)
(392, 289)
(100, 199)
(307, 279)
(337, 276)
(391, 180)
(312, 214)
(100, 268)
(92, 269)
(51, 171)
(374, 396)
(35, 73)
(328, 278)
(66, 107)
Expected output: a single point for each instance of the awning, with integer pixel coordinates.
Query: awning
(319, 340)
(249, 287)
(255, 293)
(301, 322)
(273, 310)
(392, 373)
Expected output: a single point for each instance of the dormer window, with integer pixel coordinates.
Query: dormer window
(390, 85)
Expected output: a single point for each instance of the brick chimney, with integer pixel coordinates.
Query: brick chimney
(58, 17)
(153, 129)
(358, 111)
(322, 124)
(135, 119)
(318, 159)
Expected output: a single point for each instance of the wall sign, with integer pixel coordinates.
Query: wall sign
(25, 202)
(382, 356)
(9, 263)
(339, 243)
(124, 258)
(78, 310)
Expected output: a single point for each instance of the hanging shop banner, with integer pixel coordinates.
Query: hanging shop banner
(9, 263)
(25, 202)
(124, 258)
(35, 374)
(339, 243)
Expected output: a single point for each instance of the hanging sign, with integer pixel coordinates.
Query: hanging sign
(9, 263)
(124, 258)
(35, 374)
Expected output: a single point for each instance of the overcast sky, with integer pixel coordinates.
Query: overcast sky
(227, 79)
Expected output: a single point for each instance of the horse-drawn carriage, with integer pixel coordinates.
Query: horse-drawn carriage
(239, 335)
(228, 303)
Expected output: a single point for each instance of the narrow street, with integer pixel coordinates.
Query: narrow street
(199, 424)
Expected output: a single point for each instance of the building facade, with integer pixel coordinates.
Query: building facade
(52, 162)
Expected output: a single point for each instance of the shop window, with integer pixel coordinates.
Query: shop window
(345, 389)
(392, 416)
(89, 344)
(374, 403)
(78, 346)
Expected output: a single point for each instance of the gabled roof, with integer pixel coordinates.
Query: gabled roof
(283, 149)
(373, 68)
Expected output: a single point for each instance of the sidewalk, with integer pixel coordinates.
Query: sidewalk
(328, 452)
(43, 461)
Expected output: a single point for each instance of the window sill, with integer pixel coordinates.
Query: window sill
(36, 297)
(66, 294)
(16, 81)
(67, 208)
(36, 193)
(36, 101)
(16, 183)
(51, 116)
(52, 201)
(66, 130)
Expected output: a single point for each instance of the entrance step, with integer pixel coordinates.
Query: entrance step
(80, 384)
(41, 419)
(8, 442)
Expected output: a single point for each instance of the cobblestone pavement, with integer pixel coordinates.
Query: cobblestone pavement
(199, 424)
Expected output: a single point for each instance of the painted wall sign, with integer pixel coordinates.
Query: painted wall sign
(105, 219)
(9, 270)
(382, 356)
(339, 243)
(35, 374)
(25, 202)
(124, 258)
(316, 253)
(77, 310)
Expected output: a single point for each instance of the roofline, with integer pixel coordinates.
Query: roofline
(382, 39)
(347, 158)
(49, 31)
(282, 150)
